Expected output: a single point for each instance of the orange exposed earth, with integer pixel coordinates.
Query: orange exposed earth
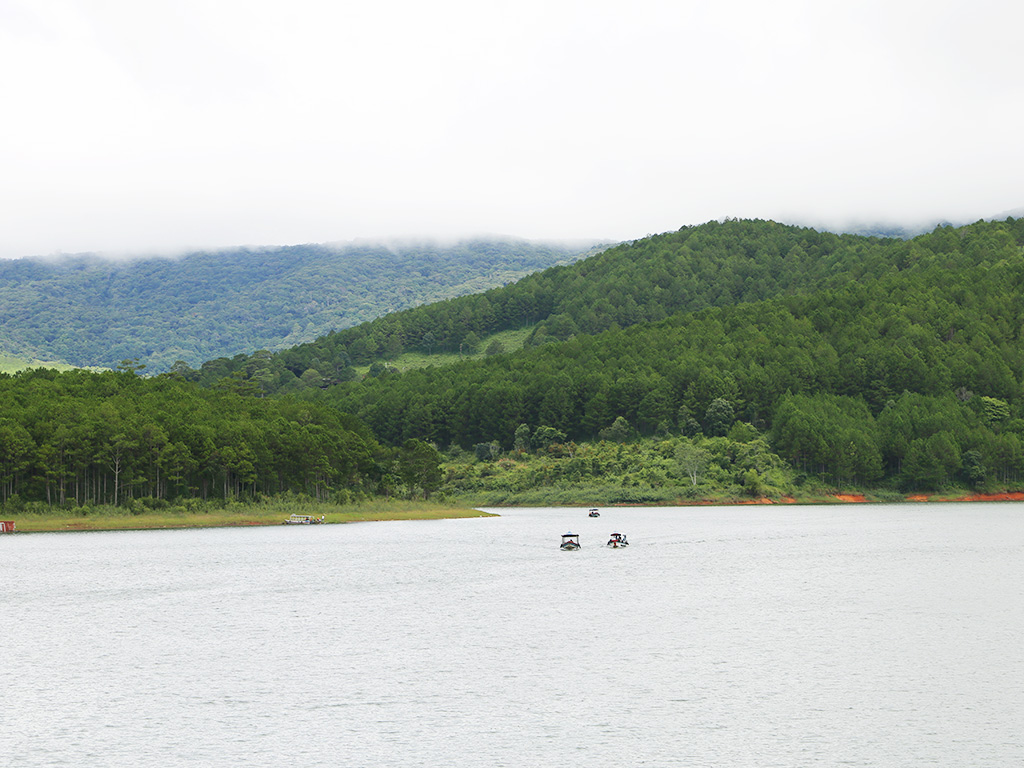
(859, 498)
(1013, 496)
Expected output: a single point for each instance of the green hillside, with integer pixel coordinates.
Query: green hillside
(718, 264)
(886, 361)
(715, 264)
(736, 359)
(86, 310)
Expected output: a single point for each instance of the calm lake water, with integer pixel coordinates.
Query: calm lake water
(860, 635)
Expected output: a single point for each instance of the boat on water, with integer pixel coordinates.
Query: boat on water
(618, 540)
(594, 513)
(304, 520)
(570, 541)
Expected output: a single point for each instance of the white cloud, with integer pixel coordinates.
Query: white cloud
(163, 125)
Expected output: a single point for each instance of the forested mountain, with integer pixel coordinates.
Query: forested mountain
(91, 311)
(770, 353)
(874, 359)
(716, 264)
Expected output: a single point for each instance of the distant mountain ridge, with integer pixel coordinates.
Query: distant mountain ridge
(87, 310)
(693, 268)
(716, 264)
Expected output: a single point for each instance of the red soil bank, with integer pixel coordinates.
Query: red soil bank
(1013, 496)
(1016, 496)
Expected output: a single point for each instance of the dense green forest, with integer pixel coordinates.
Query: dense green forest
(716, 264)
(91, 311)
(876, 361)
(740, 355)
(81, 438)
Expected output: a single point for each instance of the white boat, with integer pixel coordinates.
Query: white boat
(618, 540)
(570, 541)
(594, 513)
(304, 520)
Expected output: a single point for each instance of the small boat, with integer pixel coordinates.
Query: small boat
(304, 520)
(570, 541)
(618, 540)
(595, 513)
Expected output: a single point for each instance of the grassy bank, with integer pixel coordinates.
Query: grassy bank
(270, 513)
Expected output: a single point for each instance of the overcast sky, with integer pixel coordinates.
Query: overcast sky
(162, 125)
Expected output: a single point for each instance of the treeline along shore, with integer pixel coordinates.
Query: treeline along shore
(734, 360)
(115, 438)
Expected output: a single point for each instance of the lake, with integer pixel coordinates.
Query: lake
(852, 635)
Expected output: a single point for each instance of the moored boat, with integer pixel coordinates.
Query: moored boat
(304, 520)
(594, 513)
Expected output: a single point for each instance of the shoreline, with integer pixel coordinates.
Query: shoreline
(252, 516)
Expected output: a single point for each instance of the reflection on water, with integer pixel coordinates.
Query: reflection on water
(740, 636)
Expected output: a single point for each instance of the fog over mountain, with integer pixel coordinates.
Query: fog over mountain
(562, 120)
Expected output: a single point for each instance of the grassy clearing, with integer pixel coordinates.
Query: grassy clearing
(271, 513)
(13, 364)
(509, 340)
